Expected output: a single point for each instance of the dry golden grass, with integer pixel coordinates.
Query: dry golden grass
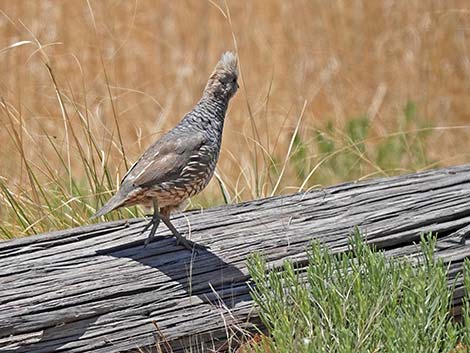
(126, 71)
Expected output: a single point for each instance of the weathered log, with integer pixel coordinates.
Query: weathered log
(96, 288)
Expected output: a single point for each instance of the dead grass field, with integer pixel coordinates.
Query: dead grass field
(126, 71)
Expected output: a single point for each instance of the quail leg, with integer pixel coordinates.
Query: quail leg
(154, 222)
(180, 240)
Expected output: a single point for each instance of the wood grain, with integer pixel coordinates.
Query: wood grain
(96, 289)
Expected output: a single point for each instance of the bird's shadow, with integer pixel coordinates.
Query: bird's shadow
(203, 274)
(200, 272)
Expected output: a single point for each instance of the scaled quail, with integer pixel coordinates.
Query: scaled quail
(181, 163)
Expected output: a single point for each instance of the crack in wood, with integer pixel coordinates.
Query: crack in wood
(95, 288)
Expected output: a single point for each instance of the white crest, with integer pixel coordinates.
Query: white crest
(228, 62)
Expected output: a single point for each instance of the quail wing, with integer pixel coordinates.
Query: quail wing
(164, 160)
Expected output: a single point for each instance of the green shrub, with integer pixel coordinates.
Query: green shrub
(358, 301)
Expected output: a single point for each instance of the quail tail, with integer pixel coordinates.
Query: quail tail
(113, 203)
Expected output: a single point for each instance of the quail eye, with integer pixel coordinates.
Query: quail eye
(228, 79)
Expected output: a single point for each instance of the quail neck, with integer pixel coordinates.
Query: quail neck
(208, 115)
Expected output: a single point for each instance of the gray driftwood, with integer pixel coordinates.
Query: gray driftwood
(96, 289)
